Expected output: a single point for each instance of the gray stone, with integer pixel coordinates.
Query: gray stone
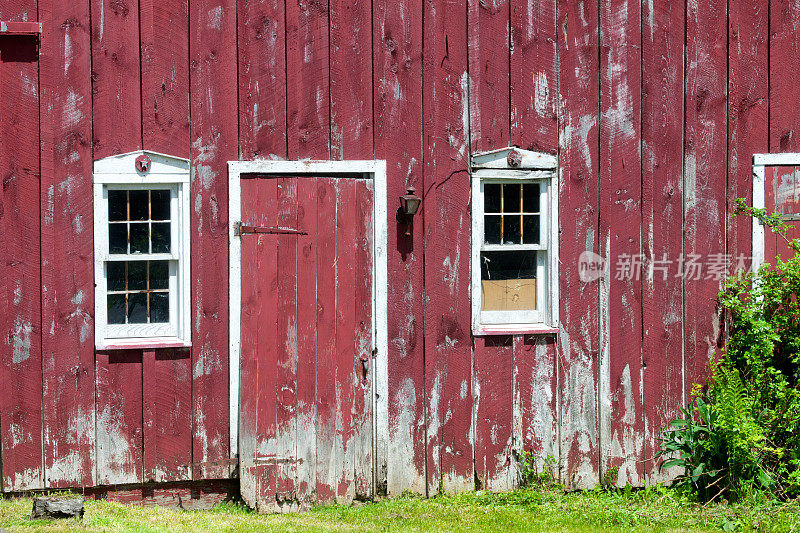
(57, 508)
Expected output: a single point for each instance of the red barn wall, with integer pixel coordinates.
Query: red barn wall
(654, 109)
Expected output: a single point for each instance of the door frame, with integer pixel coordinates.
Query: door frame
(760, 161)
(369, 169)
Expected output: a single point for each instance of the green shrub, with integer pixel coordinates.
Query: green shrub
(741, 433)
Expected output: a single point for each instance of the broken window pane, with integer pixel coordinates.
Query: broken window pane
(511, 229)
(508, 280)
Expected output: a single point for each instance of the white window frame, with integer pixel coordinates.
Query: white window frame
(119, 172)
(760, 161)
(531, 167)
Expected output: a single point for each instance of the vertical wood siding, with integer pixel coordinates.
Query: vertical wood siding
(654, 109)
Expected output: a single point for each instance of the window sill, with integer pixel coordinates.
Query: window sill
(514, 329)
(143, 344)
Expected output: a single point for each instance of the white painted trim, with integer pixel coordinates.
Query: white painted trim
(235, 305)
(791, 158)
(306, 167)
(528, 159)
(554, 257)
(377, 170)
(125, 164)
(758, 203)
(114, 173)
(760, 161)
(523, 175)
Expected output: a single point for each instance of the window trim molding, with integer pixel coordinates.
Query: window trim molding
(533, 166)
(374, 169)
(760, 162)
(120, 170)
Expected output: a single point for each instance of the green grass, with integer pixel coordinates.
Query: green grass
(649, 510)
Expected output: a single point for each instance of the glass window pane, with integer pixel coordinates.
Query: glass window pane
(116, 276)
(137, 308)
(117, 205)
(491, 229)
(159, 274)
(159, 307)
(161, 238)
(137, 275)
(508, 280)
(491, 197)
(159, 204)
(530, 197)
(530, 229)
(140, 240)
(118, 238)
(511, 198)
(116, 309)
(511, 229)
(138, 205)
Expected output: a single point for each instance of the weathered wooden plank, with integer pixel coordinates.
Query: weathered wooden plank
(489, 129)
(119, 417)
(578, 335)
(20, 255)
(662, 212)
(620, 317)
(262, 79)
(534, 126)
(165, 129)
(286, 386)
(167, 430)
(188, 496)
(116, 77)
(704, 177)
(351, 121)
(397, 30)
(212, 76)
(783, 46)
(254, 288)
(784, 125)
(307, 342)
(536, 401)
(494, 368)
(347, 364)
(448, 374)
(534, 75)
(117, 128)
(489, 75)
(748, 108)
(327, 268)
(363, 298)
(165, 76)
(67, 250)
(265, 286)
(307, 80)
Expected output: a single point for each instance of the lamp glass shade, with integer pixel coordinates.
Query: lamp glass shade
(410, 202)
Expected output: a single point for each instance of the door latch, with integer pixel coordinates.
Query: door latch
(240, 229)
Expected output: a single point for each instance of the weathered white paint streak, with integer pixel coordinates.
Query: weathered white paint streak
(21, 340)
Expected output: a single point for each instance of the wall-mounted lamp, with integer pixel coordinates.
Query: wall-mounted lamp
(409, 203)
